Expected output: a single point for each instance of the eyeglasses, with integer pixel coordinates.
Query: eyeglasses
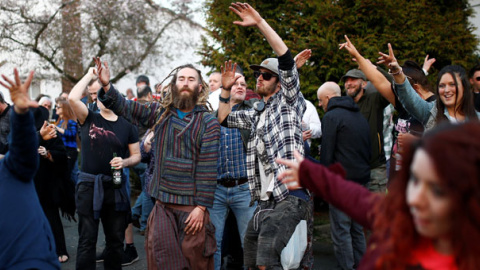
(266, 76)
(477, 79)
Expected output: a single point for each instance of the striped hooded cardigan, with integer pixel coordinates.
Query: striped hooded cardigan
(186, 149)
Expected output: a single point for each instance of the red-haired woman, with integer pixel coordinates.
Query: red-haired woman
(430, 218)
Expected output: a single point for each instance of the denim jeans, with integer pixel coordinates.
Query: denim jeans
(348, 239)
(114, 225)
(144, 204)
(142, 208)
(237, 199)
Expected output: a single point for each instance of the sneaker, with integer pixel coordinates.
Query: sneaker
(130, 255)
(100, 256)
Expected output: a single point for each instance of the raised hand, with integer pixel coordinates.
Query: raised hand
(302, 57)
(389, 60)
(348, 45)
(19, 92)
(103, 72)
(228, 75)
(249, 15)
(427, 64)
(92, 72)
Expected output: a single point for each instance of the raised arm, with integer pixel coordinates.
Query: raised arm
(75, 96)
(250, 17)
(411, 101)
(22, 157)
(381, 83)
(302, 57)
(228, 79)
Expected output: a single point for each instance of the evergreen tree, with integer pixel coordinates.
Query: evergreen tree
(439, 28)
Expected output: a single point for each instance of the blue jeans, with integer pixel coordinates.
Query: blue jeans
(142, 208)
(144, 204)
(348, 239)
(237, 199)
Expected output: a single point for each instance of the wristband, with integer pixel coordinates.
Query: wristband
(400, 70)
(103, 85)
(224, 100)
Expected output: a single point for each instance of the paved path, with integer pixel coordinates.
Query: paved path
(323, 250)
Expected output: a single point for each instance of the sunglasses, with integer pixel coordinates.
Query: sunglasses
(477, 79)
(266, 76)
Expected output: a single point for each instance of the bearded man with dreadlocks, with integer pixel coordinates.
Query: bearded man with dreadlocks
(179, 232)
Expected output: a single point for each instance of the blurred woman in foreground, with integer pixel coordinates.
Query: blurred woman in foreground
(430, 218)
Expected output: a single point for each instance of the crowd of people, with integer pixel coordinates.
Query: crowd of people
(225, 170)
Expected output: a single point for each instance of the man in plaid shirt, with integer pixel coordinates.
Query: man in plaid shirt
(275, 124)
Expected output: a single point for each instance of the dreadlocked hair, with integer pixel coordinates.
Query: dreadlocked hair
(167, 101)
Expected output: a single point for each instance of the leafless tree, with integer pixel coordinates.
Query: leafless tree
(66, 34)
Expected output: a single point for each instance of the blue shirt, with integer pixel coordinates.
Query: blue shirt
(232, 160)
(181, 114)
(69, 137)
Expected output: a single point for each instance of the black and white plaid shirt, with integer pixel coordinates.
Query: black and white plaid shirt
(282, 132)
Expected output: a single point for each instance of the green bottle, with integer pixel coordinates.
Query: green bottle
(116, 175)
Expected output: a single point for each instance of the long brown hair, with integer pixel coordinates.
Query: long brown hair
(455, 152)
(167, 101)
(66, 111)
(467, 107)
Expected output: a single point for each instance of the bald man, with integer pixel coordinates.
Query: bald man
(345, 140)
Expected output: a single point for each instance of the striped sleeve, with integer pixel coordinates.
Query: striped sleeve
(206, 169)
(136, 113)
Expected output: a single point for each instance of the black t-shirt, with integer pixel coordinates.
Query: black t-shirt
(476, 99)
(101, 138)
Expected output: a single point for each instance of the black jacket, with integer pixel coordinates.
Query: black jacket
(346, 139)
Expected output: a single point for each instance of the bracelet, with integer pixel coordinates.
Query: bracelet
(224, 100)
(395, 73)
(103, 85)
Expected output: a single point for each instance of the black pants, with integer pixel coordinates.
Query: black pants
(114, 225)
(53, 216)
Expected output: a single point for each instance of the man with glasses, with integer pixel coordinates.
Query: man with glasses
(475, 82)
(275, 127)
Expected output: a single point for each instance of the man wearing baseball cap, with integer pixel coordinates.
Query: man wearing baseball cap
(371, 106)
(275, 126)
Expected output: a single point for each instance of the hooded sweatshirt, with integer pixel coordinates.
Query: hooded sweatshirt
(346, 139)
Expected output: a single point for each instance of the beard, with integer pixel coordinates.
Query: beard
(354, 93)
(183, 101)
(264, 90)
